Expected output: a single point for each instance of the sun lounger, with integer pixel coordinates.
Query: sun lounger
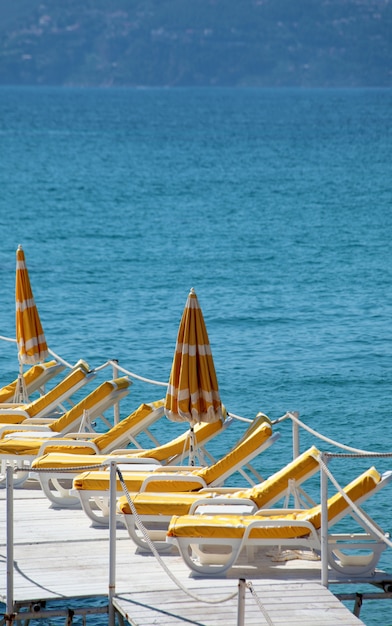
(61, 455)
(155, 510)
(20, 448)
(35, 379)
(211, 544)
(45, 405)
(92, 487)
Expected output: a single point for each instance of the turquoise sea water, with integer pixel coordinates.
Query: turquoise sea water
(275, 205)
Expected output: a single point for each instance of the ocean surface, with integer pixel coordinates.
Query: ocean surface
(274, 205)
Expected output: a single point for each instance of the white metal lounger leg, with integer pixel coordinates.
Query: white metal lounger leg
(210, 557)
(156, 531)
(57, 489)
(354, 555)
(217, 555)
(96, 507)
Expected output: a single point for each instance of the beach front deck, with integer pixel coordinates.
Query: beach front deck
(59, 556)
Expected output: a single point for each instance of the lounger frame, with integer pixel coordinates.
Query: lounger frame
(215, 556)
(155, 526)
(96, 503)
(22, 463)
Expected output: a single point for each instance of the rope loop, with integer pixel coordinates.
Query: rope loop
(310, 430)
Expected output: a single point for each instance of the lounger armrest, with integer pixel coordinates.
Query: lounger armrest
(347, 540)
(126, 451)
(336, 537)
(282, 511)
(15, 413)
(41, 420)
(157, 476)
(125, 460)
(179, 468)
(218, 504)
(67, 442)
(220, 490)
(18, 428)
(9, 405)
(83, 435)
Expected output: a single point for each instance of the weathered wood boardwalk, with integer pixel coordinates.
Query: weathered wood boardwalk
(58, 555)
(297, 604)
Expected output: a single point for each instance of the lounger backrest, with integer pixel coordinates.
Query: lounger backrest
(226, 525)
(229, 464)
(34, 378)
(50, 400)
(260, 419)
(180, 445)
(358, 490)
(133, 424)
(275, 487)
(95, 403)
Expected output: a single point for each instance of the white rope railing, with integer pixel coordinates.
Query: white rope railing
(133, 375)
(310, 430)
(155, 552)
(113, 363)
(56, 356)
(239, 417)
(7, 339)
(252, 590)
(142, 529)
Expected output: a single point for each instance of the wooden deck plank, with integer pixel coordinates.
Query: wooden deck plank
(320, 608)
(58, 555)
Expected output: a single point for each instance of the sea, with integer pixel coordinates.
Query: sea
(274, 205)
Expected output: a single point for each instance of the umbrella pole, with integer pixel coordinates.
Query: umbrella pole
(21, 396)
(191, 446)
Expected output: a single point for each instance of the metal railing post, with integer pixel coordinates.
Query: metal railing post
(112, 541)
(295, 435)
(116, 409)
(324, 521)
(241, 602)
(10, 545)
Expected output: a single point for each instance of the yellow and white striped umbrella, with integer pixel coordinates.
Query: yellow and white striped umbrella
(193, 393)
(30, 336)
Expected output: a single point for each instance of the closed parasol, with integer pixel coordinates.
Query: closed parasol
(193, 393)
(32, 347)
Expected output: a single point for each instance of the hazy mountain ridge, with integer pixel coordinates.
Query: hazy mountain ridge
(197, 42)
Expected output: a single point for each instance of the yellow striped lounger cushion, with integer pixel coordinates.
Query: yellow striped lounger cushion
(31, 446)
(269, 490)
(233, 526)
(99, 480)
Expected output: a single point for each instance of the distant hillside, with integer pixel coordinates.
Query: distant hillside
(196, 42)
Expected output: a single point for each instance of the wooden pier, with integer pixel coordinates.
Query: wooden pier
(59, 556)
